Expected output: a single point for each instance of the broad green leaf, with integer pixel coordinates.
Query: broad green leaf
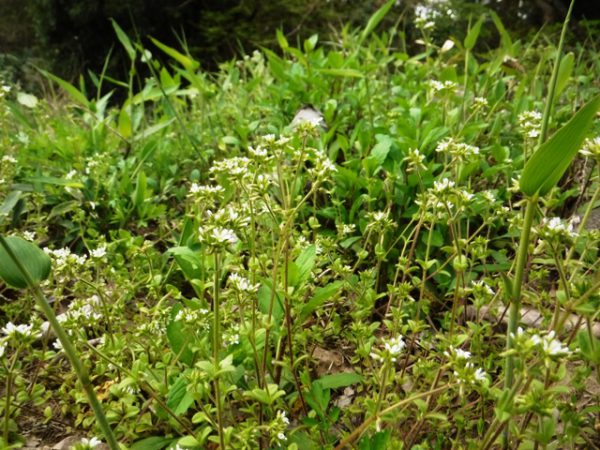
(320, 296)
(178, 340)
(564, 73)
(178, 398)
(56, 181)
(548, 164)
(75, 93)
(9, 203)
(139, 196)
(152, 129)
(264, 300)
(375, 19)
(305, 263)
(188, 63)
(347, 73)
(124, 40)
(473, 34)
(35, 261)
(152, 443)
(124, 125)
(338, 380)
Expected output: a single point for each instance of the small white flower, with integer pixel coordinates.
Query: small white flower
(98, 253)
(2, 349)
(91, 443)
(281, 436)
(57, 345)
(224, 235)
(282, 416)
(9, 159)
(10, 329)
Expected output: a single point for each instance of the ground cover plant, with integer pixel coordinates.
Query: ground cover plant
(421, 272)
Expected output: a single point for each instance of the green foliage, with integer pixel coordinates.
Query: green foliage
(232, 280)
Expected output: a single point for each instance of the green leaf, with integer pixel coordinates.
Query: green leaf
(338, 380)
(178, 398)
(473, 34)
(504, 36)
(75, 93)
(9, 203)
(320, 296)
(188, 63)
(346, 73)
(564, 73)
(152, 443)
(56, 181)
(178, 340)
(281, 39)
(124, 40)
(548, 164)
(124, 124)
(375, 19)
(304, 264)
(34, 260)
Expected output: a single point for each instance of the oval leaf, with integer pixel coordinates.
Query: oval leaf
(548, 164)
(34, 260)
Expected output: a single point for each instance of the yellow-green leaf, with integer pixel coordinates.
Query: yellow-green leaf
(190, 64)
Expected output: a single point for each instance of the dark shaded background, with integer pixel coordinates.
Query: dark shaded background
(69, 37)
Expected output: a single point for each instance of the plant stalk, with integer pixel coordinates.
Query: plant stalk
(78, 367)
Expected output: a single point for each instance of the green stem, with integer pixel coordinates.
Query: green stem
(515, 304)
(217, 347)
(78, 367)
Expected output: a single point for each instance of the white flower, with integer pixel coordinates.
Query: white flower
(480, 375)
(224, 235)
(29, 235)
(242, 284)
(2, 349)
(395, 346)
(71, 175)
(57, 345)
(10, 329)
(98, 253)
(282, 416)
(91, 443)
(443, 185)
(281, 436)
(9, 159)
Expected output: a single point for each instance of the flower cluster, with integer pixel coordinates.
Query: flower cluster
(530, 123)
(392, 348)
(242, 284)
(464, 370)
(442, 87)
(415, 161)
(530, 343)
(458, 150)
(12, 330)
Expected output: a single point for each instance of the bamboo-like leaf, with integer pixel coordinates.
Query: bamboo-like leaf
(346, 73)
(548, 164)
(190, 64)
(473, 34)
(75, 93)
(124, 40)
(375, 19)
(564, 72)
(34, 260)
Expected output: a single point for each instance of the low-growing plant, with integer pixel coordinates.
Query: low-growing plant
(231, 280)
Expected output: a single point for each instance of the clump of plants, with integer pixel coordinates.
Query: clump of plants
(416, 274)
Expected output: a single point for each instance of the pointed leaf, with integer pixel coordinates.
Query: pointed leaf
(75, 93)
(190, 64)
(338, 380)
(124, 40)
(9, 203)
(473, 34)
(375, 19)
(564, 73)
(548, 164)
(178, 340)
(34, 260)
